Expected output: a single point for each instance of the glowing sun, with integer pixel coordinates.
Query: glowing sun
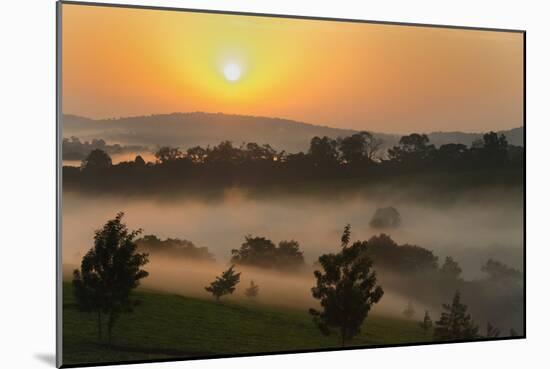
(232, 72)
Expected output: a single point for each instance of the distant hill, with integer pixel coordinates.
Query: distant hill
(190, 129)
(514, 137)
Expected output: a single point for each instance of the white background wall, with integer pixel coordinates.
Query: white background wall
(27, 180)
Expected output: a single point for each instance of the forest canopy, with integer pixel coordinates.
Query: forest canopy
(355, 160)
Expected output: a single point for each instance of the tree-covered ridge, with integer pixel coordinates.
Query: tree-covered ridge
(207, 129)
(356, 160)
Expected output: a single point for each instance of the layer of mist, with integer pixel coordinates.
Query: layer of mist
(472, 229)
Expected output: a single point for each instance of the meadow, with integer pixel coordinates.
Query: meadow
(166, 326)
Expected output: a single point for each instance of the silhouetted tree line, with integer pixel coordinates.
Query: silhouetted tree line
(358, 156)
(74, 149)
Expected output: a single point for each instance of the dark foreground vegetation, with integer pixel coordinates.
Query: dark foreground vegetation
(356, 160)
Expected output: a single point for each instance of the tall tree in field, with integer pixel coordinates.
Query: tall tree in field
(252, 291)
(109, 272)
(346, 288)
(224, 284)
(455, 323)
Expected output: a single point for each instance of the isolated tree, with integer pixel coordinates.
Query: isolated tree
(386, 218)
(139, 161)
(409, 310)
(167, 154)
(96, 159)
(262, 252)
(109, 272)
(224, 284)
(426, 324)
(346, 288)
(455, 323)
(450, 269)
(252, 291)
(492, 332)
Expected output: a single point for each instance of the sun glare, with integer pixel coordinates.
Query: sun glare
(232, 72)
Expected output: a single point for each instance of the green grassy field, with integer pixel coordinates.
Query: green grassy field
(170, 326)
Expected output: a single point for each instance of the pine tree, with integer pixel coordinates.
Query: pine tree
(252, 291)
(455, 323)
(224, 284)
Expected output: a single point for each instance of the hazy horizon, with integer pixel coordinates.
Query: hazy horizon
(114, 118)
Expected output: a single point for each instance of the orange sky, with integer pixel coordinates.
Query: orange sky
(384, 78)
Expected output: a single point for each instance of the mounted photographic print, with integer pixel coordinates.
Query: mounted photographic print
(238, 184)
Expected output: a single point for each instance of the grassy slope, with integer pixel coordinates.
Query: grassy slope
(165, 326)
